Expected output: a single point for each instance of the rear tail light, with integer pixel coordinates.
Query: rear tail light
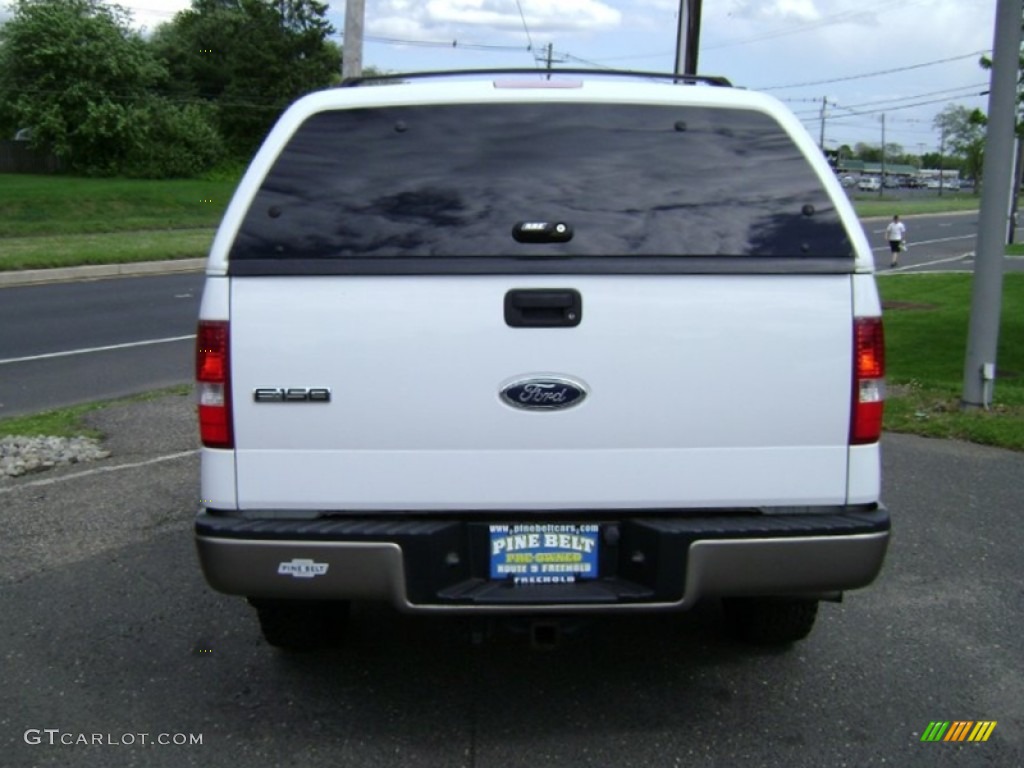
(213, 383)
(868, 380)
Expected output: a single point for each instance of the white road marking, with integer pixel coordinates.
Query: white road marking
(98, 470)
(904, 268)
(915, 243)
(89, 350)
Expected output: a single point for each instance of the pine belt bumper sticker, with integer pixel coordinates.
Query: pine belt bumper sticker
(302, 569)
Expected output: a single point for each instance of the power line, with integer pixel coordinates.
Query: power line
(526, 29)
(445, 44)
(902, 106)
(872, 74)
(570, 57)
(947, 93)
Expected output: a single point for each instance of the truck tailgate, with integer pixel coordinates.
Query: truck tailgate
(702, 391)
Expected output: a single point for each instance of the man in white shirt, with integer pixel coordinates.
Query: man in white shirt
(896, 234)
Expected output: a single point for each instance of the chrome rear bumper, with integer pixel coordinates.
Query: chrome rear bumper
(434, 566)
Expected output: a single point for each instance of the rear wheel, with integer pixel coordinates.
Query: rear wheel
(770, 620)
(302, 625)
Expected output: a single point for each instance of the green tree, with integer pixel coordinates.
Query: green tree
(250, 58)
(70, 71)
(933, 160)
(75, 74)
(867, 152)
(172, 140)
(964, 133)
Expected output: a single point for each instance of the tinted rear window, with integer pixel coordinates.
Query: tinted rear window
(540, 180)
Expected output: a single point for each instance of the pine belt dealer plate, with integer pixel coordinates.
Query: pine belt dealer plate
(544, 553)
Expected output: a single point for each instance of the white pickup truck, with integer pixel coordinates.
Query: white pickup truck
(509, 345)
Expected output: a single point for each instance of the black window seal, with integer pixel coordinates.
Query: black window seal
(580, 265)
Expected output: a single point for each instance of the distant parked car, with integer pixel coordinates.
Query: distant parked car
(869, 184)
(891, 182)
(848, 181)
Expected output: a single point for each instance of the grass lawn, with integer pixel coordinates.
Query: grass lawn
(66, 221)
(49, 251)
(871, 205)
(926, 336)
(63, 422)
(67, 422)
(69, 205)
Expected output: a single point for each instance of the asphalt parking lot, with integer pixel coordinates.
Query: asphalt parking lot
(111, 642)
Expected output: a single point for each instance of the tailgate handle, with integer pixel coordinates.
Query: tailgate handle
(543, 308)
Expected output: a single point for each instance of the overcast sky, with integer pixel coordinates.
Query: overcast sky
(799, 50)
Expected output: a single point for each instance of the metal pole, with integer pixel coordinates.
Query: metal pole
(986, 291)
(352, 52)
(821, 137)
(881, 187)
(680, 38)
(688, 37)
(693, 37)
(942, 159)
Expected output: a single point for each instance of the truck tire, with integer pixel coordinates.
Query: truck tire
(770, 620)
(302, 625)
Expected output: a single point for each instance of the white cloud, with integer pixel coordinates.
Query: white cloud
(150, 14)
(799, 9)
(482, 17)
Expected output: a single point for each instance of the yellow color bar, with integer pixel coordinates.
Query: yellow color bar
(982, 730)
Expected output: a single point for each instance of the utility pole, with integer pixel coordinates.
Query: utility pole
(987, 285)
(549, 61)
(352, 52)
(881, 187)
(821, 137)
(942, 157)
(688, 37)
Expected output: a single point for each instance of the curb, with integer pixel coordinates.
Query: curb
(100, 271)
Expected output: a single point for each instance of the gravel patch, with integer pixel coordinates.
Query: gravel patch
(22, 455)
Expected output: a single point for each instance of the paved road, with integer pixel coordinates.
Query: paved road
(108, 629)
(54, 339)
(937, 243)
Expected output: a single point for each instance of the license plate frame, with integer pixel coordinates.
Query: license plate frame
(544, 553)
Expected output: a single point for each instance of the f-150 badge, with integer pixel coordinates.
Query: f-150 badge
(291, 395)
(543, 393)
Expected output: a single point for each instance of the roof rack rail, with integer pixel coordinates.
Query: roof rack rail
(674, 77)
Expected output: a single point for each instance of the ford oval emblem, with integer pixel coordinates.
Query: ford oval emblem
(543, 393)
